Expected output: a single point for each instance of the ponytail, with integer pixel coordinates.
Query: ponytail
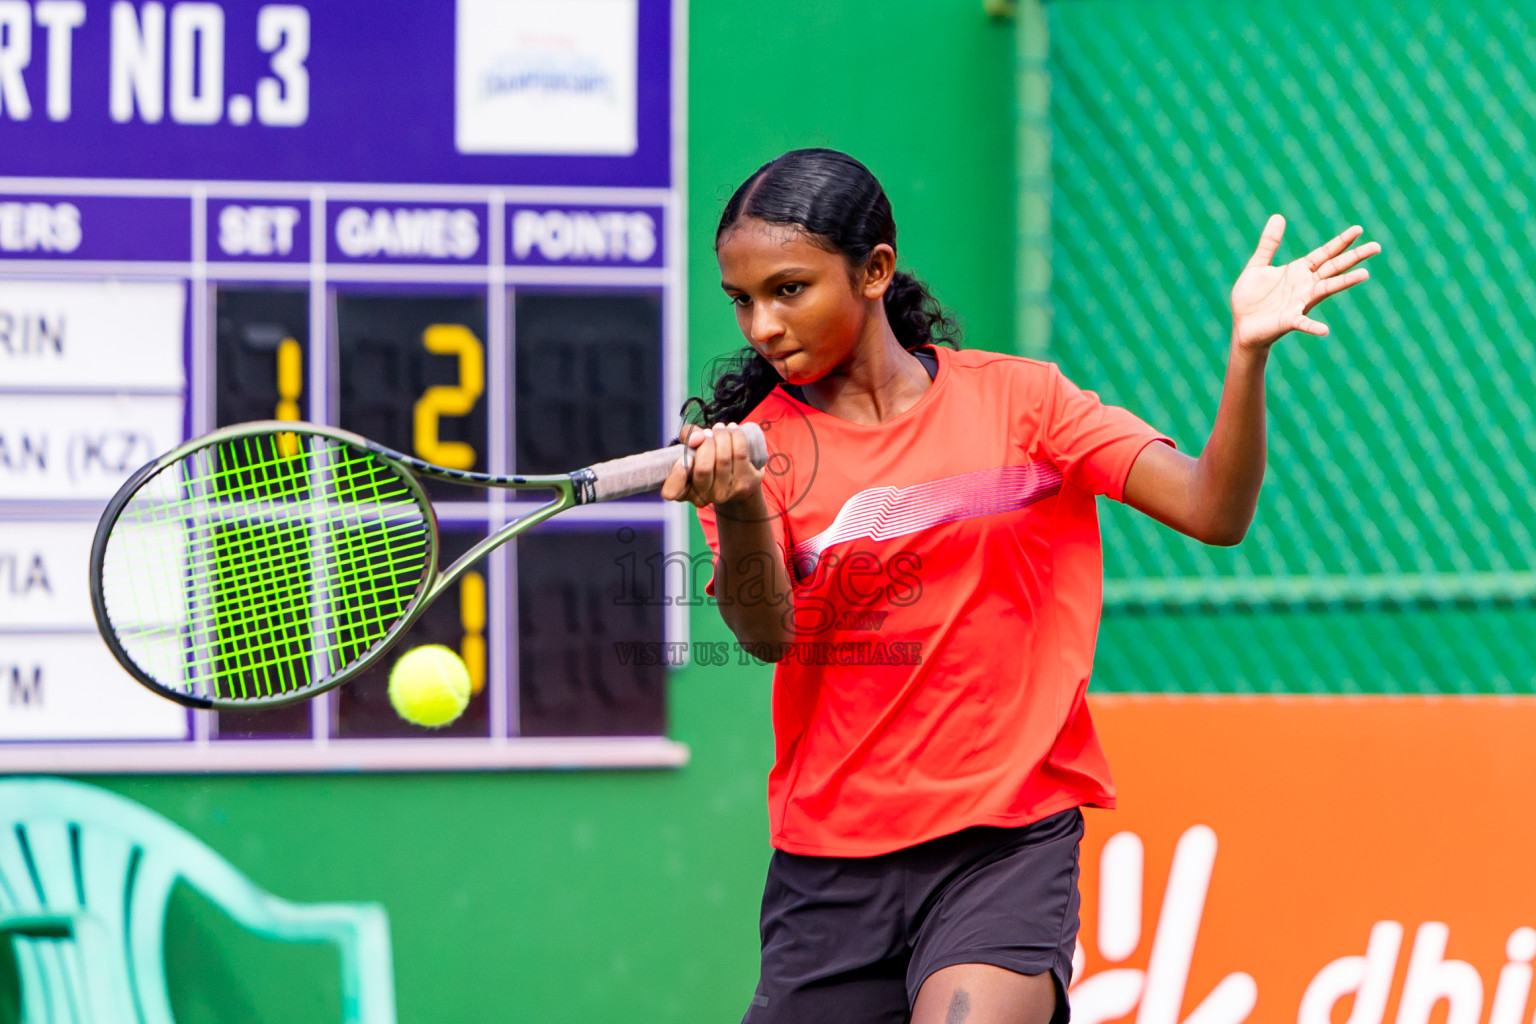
(917, 318)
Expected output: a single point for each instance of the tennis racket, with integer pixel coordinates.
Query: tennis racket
(267, 562)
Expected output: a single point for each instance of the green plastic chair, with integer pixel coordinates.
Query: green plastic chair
(85, 876)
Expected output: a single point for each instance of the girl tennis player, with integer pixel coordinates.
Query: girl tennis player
(921, 557)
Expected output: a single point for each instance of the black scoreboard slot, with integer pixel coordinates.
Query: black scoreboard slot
(590, 657)
(261, 373)
(457, 620)
(588, 376)
(291, 722)
(262, 355)
(413, 378)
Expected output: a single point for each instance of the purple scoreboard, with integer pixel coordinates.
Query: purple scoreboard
(455, 228)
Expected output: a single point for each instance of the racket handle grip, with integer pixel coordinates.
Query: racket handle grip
(637, 474)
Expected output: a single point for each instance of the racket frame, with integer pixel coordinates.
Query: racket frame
(570, 489)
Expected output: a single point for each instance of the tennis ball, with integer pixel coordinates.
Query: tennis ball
(429, 686)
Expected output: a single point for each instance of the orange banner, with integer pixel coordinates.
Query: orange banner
(1307, 861)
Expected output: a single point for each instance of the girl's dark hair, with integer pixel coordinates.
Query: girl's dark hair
(841, 207)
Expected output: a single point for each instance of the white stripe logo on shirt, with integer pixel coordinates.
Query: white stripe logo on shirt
(882, 513)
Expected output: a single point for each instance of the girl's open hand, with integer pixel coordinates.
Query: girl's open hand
(1268, 301)
(721, 471)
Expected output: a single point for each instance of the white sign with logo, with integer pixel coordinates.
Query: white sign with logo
(546, 76)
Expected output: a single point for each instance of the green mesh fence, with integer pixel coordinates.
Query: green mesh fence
(1394, 546)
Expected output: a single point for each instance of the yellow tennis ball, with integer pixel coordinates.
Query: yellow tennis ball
(429, 686)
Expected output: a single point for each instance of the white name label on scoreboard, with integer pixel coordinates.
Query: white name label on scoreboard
(69, 687)
(43, 569)
(68, 335)
(80, 448)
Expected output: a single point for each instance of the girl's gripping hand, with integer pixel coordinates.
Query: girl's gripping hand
(721, 472)
(1269, 301)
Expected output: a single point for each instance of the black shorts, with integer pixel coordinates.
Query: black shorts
(852, 939)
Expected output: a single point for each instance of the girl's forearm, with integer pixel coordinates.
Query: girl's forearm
(1230, 471)
(751, 583)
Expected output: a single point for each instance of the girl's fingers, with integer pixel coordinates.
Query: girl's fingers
(717, 460)
(1269, 241)
(702, 478)
(1307, 325)
(1334, 285)
(741, 451)
(675, 487)
(1344, 261)
(725, 462)
(1323, 253)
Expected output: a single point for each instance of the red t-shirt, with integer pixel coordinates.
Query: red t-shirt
(947, 589)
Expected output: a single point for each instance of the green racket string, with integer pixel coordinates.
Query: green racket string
(263, 565)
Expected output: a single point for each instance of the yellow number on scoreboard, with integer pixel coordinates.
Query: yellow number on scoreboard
(450, 400)
(472, 618)
(290, 384)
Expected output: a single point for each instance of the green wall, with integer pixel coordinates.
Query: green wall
(625, 896)
(921, 92)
